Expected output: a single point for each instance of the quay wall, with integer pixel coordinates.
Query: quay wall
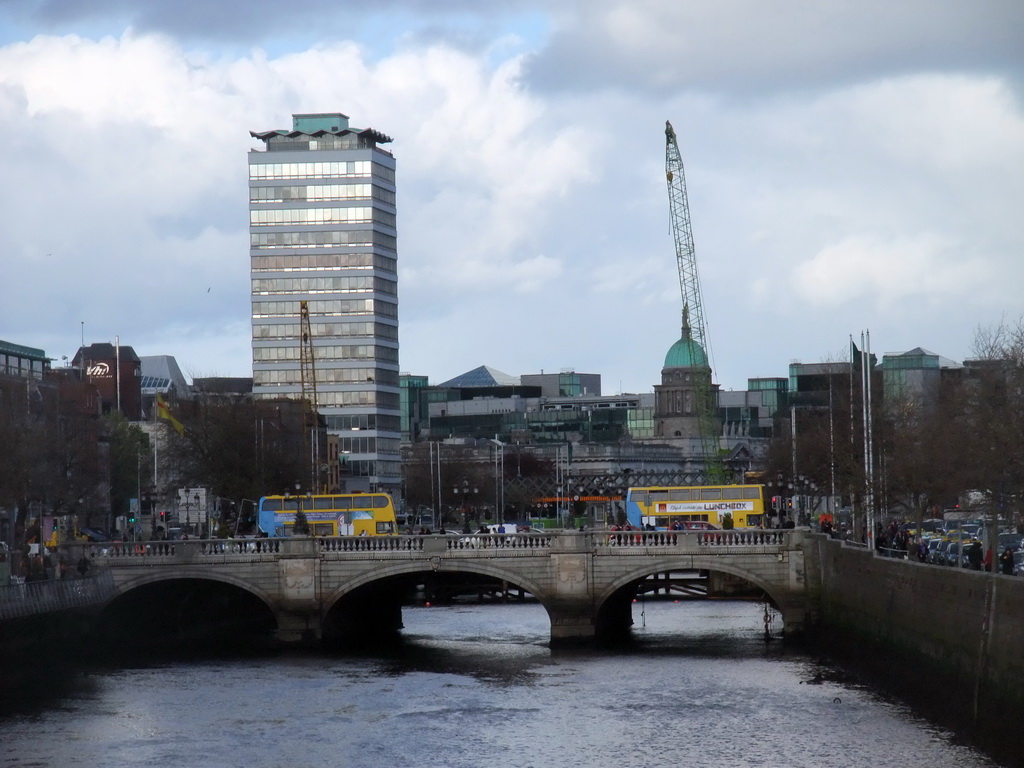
(948, 640)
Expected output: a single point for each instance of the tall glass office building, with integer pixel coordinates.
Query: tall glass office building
(322, 229)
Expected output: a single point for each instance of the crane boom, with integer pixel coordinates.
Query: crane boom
(693, 306)
(686, 260)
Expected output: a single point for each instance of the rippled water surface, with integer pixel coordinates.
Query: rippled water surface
(478, 686)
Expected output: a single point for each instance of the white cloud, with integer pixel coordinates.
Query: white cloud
(922, 269)
(533, 228)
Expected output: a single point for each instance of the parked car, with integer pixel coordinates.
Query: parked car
(969, 549)
(1018, 563)
(953, 554)
(1009, 541)
(939, 554)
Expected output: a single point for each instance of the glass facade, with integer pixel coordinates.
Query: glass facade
(330, 241)
(27, 362)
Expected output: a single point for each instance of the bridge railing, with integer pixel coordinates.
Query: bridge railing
(27, 599)
(117, 554)
(696, 539)
(131, 553)
(437, 542)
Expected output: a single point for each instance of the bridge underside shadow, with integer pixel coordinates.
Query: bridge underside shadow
(373, 611)
(613, 620)
(186, 615)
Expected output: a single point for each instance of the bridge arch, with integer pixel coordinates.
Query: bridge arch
(370, 604)
(190, 609)
(194, 573)
(479, 567)
(612, 603)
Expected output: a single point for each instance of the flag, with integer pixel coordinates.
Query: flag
(859, 357)
(163, 412)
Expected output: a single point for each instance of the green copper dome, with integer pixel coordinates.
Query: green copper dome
(686, 353)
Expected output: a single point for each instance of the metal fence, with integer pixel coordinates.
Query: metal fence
(36, 597)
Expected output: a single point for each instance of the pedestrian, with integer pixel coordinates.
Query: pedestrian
(974, 555)
(1006, 562)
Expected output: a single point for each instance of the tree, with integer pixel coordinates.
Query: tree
(131, 460)
(993, 430)
(240, 449)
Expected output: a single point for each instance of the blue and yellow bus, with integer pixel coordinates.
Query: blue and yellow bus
(696, 506)
(337, 514)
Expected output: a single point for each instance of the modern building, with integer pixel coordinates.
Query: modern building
(323, 230)
(161, 376)
(116, 371)
(566, 383)
(917, 374)
(26, 362)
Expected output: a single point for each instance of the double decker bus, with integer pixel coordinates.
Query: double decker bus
(695, 506)
(336, 514)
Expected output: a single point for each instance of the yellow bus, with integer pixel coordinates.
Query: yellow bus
(336, 514)
(696, 506)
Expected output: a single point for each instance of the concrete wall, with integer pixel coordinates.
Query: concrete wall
(951, 640)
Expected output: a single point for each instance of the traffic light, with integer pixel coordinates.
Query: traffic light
(789, 503)
(776, 503)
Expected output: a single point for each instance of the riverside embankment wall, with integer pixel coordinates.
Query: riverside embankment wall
(950, 640)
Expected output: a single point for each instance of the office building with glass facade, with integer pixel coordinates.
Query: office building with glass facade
(322, 229)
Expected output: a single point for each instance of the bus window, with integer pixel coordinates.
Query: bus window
(385, 528)
(380, 502)
(710, 494)
(323, 502)
(272, 505)
(342, 502)
(752, 493)
(679, 495)
(732, 493)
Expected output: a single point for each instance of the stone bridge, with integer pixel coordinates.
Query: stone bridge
(321, 588)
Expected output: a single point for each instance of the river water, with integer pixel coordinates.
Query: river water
(477, 686)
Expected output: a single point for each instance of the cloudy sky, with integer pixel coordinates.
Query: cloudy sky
(850, 166)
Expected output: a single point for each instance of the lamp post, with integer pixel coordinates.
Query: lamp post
(188, 511)
(465, 489)
(499, 479)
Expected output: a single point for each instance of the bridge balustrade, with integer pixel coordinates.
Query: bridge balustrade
(502, 541)
(493, 545)
(371, 544)
(735, 538)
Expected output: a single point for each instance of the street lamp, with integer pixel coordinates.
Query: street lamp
(188, 511)
(499, 478)
(464, 489)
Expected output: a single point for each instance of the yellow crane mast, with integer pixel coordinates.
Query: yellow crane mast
(310, 413)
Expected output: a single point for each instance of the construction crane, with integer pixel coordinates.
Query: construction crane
(693, 307)
(310, 413)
